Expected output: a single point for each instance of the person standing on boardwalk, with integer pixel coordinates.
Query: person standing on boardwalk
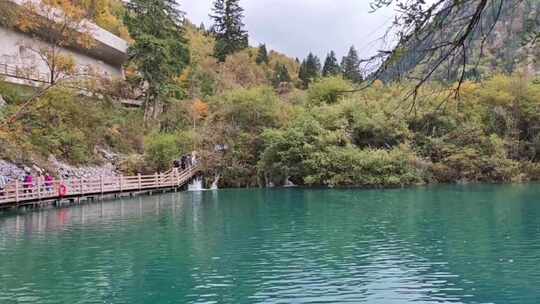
(40, 182)
(3, 184)
(186, 162)
(28, 184)
(194, 158)
(48, 182)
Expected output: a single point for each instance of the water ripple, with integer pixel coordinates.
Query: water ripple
(436, 245)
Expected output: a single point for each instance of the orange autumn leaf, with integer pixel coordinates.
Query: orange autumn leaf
(200, 109)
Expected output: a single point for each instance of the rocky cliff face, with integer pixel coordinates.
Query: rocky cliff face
(509, 47)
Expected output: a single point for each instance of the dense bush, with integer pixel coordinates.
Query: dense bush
(71, 127)
(327, 90)
(247, 109)
(309, 154)
(161, 149)
(350, 166)
(489, 134)
(14, 93)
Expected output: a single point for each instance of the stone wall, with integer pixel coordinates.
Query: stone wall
(14, 52)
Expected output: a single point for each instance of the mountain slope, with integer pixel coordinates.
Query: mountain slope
(504, 46)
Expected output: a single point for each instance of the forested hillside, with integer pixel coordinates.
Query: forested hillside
(260, 118)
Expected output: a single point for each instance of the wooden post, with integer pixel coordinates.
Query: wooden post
(139, 181)
(101, 184)
(120, 180)
(16, 190)
(156, 180)
(38, 190)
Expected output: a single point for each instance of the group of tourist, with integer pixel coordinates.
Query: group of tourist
(42, 182)
(186, 161)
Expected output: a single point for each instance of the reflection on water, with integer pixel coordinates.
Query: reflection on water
(469, 244)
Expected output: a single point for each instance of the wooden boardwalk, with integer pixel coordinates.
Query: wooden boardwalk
(20, 194)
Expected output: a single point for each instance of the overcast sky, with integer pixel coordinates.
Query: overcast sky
(296, 27)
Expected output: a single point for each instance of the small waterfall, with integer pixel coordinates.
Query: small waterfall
(216, 182)
(196, 184)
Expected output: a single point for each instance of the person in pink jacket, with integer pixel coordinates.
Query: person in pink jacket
(28, 183)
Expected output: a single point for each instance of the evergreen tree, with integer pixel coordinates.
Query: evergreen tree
(310, 69)
(350, 66)
(159, 51)
(331, 65)
(228, 28)
(202, 27)
(281, 75)
(262, 55)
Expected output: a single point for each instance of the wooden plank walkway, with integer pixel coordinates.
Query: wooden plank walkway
(19, 193)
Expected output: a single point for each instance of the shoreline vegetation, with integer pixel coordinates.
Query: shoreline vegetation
(310, 138)
(259, 118)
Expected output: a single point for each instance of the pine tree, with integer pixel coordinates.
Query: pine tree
(202, 27)
(159, 51)
(310, 69)
(331, 66)
(228, 28)
(350, 66)
(262, 55)
(281, 75)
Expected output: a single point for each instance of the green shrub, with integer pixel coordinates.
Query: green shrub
(13, 93)
(327, 90)
(161, 150)
(482, 160)
(350, 166)
(248, 109)
(531, 170)
(73, 127)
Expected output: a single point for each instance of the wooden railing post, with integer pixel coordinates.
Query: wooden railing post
(17, 190)
(39, 189)
(120, 180)
(101, 184)
(139, 180)
(156, 181)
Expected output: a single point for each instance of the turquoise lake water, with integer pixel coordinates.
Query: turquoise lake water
(447, 244)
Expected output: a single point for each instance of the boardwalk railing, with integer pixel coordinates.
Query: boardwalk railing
(19, 192)
(31, 74)
(21, 73)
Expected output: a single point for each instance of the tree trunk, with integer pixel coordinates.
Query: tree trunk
(148, 106)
